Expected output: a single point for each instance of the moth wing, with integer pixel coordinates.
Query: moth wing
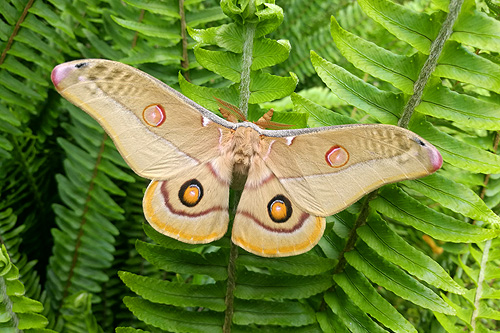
(325, 170)
(268, 222)
(191, 206)
(156, 129)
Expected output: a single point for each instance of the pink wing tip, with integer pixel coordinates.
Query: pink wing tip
(436, 159)
(59, 73)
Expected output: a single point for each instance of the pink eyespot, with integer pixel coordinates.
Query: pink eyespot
(154, 115)
(336, 156)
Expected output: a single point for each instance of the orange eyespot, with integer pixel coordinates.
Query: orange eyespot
(191, 193)
(336, 156)
(279, 209)
(154, 115)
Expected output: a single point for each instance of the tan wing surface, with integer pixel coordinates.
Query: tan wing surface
(268, 222)
(157, 130)
(327, 171)
(190, 206)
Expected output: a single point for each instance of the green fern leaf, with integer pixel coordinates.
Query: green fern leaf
(383, 105)
(364, 295)
(396, 204)
(378, 236)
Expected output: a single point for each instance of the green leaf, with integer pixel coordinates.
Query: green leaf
(213, 265)
(377, 235)
(456, 152)
(265, 87)
(227, 36)
(269, 19)
(17, 86)
(477, 29)
(43, 10)
(268, 52)
(439, 101)
(31, 321)
(417, 29)
(393, 278)
(205, 96)
(157, 55)
(129, 330)
(296, 119)
(209, 296)
(383, 105)
(226, 64)
(302, 264)
(313, 328)
(454, 196)
(458, 63)
(161, 31)
(105, 49)
(257, 286)
(174, 319)
(33, 40)
(206, 15)
(173, 243)
(330, 322)
(272, 313)
(318, 115)
(364, 295)
(391, 201)
(399, 70)
(447, 323)
(350, 315)
(162, 8)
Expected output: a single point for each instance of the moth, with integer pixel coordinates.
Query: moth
(292, 178)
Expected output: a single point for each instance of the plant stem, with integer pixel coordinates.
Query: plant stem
(480, 279)
(231, 270)
(185, 58)
(353, 236)
(15, 31)
(431, 62)
(246, 63)
(486, 250)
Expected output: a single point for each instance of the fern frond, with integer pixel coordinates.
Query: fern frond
(18, 311)
(85, 237)
(402, 72)
(78, 316)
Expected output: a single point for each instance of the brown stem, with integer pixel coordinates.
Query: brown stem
(353, 236)
(84, 219)
(16, 29)
(136, 35)
(431, 62)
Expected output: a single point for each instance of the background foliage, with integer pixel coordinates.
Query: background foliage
(422, 256)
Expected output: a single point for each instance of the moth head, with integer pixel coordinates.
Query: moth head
(425, 148)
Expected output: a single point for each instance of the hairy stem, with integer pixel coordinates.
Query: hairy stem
(418, 89)
(185, 58)
(431, 62)
(480, 280)
(245, 67)
(486, 250)
(353, 236)
(231, 269)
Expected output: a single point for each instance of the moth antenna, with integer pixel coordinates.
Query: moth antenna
(265, 122)
(229, 109)
(272, 125)
(228, 115)
(267, 116)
